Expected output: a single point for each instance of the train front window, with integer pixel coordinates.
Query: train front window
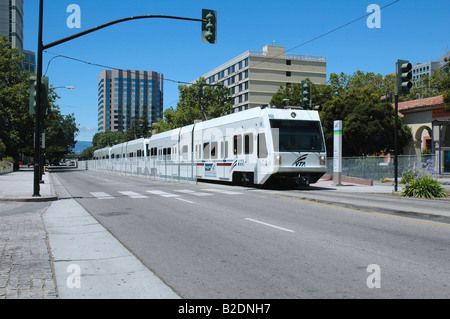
(297, 136)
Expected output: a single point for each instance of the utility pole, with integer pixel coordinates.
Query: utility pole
(37, 124)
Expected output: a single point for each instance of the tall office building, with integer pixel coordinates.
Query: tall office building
(11, 22)
(126, 96)
(255, 76)
(30, 61)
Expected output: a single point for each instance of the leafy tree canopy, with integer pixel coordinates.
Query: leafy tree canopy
(101, 140)
(16, 123)
(368, 123)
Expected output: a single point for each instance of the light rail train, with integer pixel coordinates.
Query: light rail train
(257, 146)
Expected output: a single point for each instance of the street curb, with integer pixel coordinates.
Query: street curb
(381, 210)
(29, 198)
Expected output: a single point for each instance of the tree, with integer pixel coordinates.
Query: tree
(101, 140)
(60, 131)
(16, 124)
(138, 129)
(196, 101)
(87, 153)
(287, 95)
(368, 124)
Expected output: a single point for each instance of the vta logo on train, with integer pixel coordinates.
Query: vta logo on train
(237, 163)
(300, 162)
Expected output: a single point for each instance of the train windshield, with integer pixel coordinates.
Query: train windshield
(297, 136)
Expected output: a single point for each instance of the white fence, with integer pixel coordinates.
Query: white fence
(164, 170)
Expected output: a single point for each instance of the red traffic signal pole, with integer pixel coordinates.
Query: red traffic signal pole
(41, 48)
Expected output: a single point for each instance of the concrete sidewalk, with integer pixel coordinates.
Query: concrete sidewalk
(51, 247)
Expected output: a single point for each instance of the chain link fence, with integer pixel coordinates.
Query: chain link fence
(377, 167)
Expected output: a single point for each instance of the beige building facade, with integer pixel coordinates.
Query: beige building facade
(430, 126)
(255, 76)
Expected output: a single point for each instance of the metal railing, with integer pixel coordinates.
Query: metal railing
(290, 56)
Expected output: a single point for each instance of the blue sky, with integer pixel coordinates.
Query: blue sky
(174, 47)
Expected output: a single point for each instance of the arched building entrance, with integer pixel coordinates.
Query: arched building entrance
(429, 123)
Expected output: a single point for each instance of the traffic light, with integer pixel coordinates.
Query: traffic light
(403, 76)
(45, 105)
(305, 100)
(209, 26)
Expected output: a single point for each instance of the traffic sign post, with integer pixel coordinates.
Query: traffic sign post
(337, 153)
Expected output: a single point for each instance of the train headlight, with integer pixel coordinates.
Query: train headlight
(322, 160)
(278, 160)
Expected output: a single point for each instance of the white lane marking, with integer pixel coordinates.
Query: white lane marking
(185, 200)
(191, 192)
(270, 225)
(101, 195)
(221, 191)
(164, 194)
(133, 194)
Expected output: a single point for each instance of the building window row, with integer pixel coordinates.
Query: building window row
(229, 71)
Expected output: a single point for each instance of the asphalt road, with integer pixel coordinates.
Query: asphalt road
(218, 241)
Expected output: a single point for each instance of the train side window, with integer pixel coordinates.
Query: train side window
(248, 143)
(237, 144)
(206, 150)
(214, 152)
(262, 147)
(185, 152)
(226, 149)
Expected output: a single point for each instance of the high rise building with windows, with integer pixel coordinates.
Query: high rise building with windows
(125, 97)
(255, 76)
(11, 26)
(421, 70)
(11, 22)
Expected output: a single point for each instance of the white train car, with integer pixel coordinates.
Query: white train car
(261, 145)
(130, 149)
(251, 147)
(102, 153)
(256, 146)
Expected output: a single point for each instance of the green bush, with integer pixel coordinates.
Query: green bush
(425, 187)
(419, 182)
